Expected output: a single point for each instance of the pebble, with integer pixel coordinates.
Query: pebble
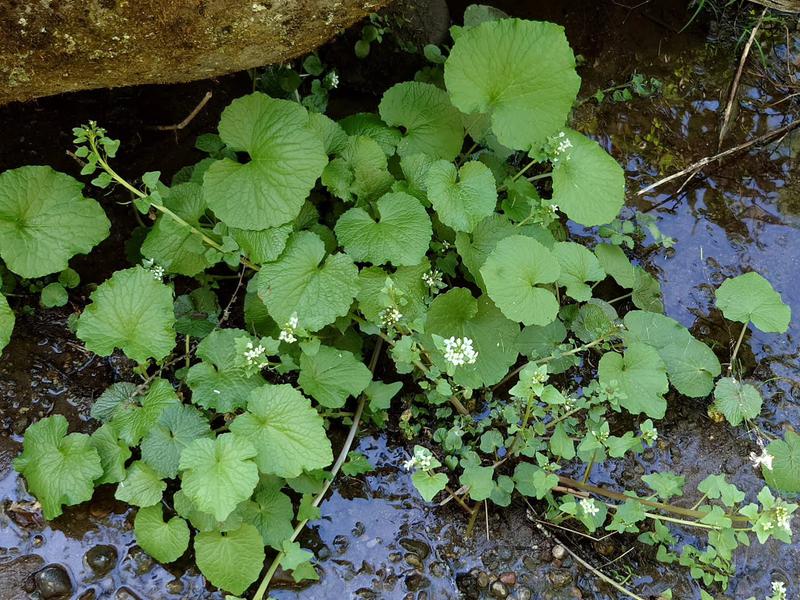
(416, 581)
(101, 558)
(559, 578)
(414, 561)
(125, 593)
(498, 590)
(509, 578)
(53, 581)
(418, 547)
(559, 552)
(524, 594)
(175, 586)
(482, 579)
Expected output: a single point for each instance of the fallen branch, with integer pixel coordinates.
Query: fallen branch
(726, 118)
(188, 119)
(763, 139)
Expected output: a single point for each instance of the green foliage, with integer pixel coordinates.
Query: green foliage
(45, 221)
(381, 235)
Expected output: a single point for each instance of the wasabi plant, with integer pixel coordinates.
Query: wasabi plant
(529, 354)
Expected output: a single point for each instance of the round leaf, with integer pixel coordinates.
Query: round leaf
(588, 184)
(231, 560)
(431, 124)
(166, 542)
(511, 273)
(736, 400)
(750, 297)
(177, 427)
(578, 265)
(464, 197)
(286, 158)
(331, 376)
(785, 472)
(520, 72)
(142, 486)
(131, 311)
(6, 322)
(401, 236)
(45, 221)
(640, 375)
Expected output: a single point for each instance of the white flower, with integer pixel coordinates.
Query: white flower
(390, 316)
(650, 436)
(421, 459)
(287, 331)
(778, 591)
(333, 79)
(155, 270)
(459, 351)
(763, 460)
(255, 355)
(783, 518)
(433, 279)
(589, 507)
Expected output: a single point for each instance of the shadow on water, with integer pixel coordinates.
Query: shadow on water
(376, 538)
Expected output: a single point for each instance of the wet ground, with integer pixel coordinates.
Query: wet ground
(376, 538)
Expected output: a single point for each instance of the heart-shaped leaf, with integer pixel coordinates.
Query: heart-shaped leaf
(751, 298)
(166, 542)
(286, 158)
(331, 376)
(578, 266)
(736, 400)
(231, 560)
(462, 197)
(6, 322)
(640, 375)
(785, 472)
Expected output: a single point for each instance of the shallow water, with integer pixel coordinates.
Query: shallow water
(371, 542)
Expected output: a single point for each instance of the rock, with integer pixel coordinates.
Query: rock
(416, 581)
(483, 579)
(524, 594)
(498, 590)
(101, 558)
(53, 581)
(174, 586)
(559, 552)
(509, 578)
(418, 547)
(125, 593)
(414, 561)
(559, 578)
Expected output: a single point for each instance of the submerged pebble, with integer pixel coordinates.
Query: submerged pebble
(101, 558)
(53, 581)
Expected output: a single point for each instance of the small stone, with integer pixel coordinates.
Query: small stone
(395, 557)
(416, 581)
(341, 543)
(559, 552)
(53, 581)
(414, 561)
(482, 579)
(101, 558)
(559, 578)
(89, 594)
(499, 590)
(359, 529)
(418, 547)
(175, 586)
(524, 594)
(509, 578)
(125, 593)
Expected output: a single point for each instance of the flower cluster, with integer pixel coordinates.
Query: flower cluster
(433, 279)
(649, 436)
(156, 271)
(762, 460)
(459, 351)
(778, 591)
(589, 507)
(255, 356)
(287, 333)
(421, 460)
(390, 317)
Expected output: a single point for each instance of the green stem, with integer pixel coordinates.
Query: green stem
(162, 209)
(588, 471)
(736, 348)
(618, 298)
(524, 169)
(540, 176)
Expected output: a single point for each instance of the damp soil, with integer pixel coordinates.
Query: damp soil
(376, 538)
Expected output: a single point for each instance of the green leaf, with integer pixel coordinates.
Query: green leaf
(142, 486)
(219, 382)
(231, 560)
(59, 469)
(646, 291)
(333, 137)
(534, 481)
(287, 432)
(166, 542)
(300, 282)
(479, 480)
(113, 454)
(6, 322)
(512, 273)
(53, 295)
(218, 474)
(428, 485)
(401, 236)
(665, 484)
(715, 486)
(173, 246)
(357, 464)
(520, 72)
(113, 396)
(578, 265)
(475, 247)
(785, 472)
(736, 400)
(641, 377)
(380, 394)
(371, 126)
(135, 416)
(457, 314)
(588, 184)
(196, 313)
(627, 516)
(537, 342)
(431, 125)
(332, 375)
(45, 221)
(751, 298)
(286, 158)
(130, 311)
(596, 318)
(360, 171)
(177, 427)
(262, 246)
(461, 197)
(561, 444)
(407, 281)
(271, 512)
(614, 262)
(692, 366)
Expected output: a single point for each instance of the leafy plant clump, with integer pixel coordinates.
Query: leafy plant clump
(535, 354)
